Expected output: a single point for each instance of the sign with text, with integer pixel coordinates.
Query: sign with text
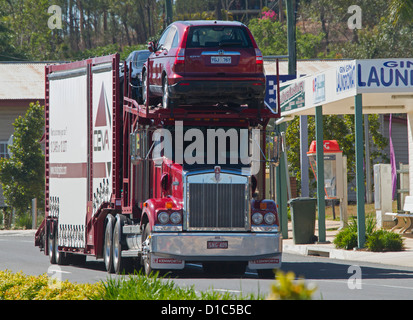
(384, 75)
(319, 88)
(292, 96)
(271, 90)
(346, 77)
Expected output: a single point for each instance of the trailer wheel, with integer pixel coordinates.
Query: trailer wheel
(55, 256)
(60, 257)
(108, 244)
(146, 258)
(50, 246)
(120, 265)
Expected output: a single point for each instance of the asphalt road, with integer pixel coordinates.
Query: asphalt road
(334, 279)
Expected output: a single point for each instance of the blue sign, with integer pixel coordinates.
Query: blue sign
(271, 90)
(389, 75)
(319, 88)
(346, 77)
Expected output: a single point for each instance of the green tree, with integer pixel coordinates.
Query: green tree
(271, 37)
(401, 11)
(22, 175)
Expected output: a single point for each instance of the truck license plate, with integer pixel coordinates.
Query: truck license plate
(217, 244)
(220, 60)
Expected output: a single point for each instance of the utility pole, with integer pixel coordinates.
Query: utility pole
(292, 54)
(292, 70)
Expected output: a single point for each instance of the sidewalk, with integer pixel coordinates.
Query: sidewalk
(400, 258)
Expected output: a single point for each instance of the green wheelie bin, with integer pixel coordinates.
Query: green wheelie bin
(303, 212)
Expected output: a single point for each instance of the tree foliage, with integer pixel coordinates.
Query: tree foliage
(86, 25)
(22, 175)
(271, 37)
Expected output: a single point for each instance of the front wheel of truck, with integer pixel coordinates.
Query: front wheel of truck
(146, 256)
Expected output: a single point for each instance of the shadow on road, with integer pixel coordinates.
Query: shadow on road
(327, 270)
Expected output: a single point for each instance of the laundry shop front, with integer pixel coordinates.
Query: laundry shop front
(356, 87)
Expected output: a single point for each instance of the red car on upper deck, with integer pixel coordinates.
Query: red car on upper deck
(205, 62)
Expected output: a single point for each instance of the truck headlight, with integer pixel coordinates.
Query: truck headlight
(269, 218)
(257, 218)
(176, 218)
(163, 217)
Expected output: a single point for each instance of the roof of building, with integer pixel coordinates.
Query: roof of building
(304, 67)
(20, 80)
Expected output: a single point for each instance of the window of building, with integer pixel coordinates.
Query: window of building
(3, 150)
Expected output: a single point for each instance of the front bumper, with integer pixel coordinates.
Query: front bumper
(194, 246)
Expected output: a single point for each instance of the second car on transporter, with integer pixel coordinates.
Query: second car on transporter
(204, 62)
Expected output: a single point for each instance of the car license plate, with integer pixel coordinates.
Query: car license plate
(217, 244)
(220, 60)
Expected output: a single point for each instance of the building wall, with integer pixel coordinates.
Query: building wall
(8, 114)
(399, 138)
(410, 142)
(400, 145)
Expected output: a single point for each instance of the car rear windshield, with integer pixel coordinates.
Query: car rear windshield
(218, 36)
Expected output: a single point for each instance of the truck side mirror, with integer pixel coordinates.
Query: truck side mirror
(135, 147)
(273, 147)
(165, 182)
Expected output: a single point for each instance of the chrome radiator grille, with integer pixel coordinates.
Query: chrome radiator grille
(221, 206)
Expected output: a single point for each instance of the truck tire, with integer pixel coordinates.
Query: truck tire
(50, 246)
(108, 244)
(121, 264)
(146, 258)
(59, 257)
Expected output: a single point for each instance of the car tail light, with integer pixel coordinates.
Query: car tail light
(258, 56)
(179, 63)
(180, 57)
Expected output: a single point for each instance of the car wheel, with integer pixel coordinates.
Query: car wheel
(144, 89)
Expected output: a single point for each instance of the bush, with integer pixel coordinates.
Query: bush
(383, 240)
(346, 239)
(393, 241)
(376, 240)
(17, 286)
